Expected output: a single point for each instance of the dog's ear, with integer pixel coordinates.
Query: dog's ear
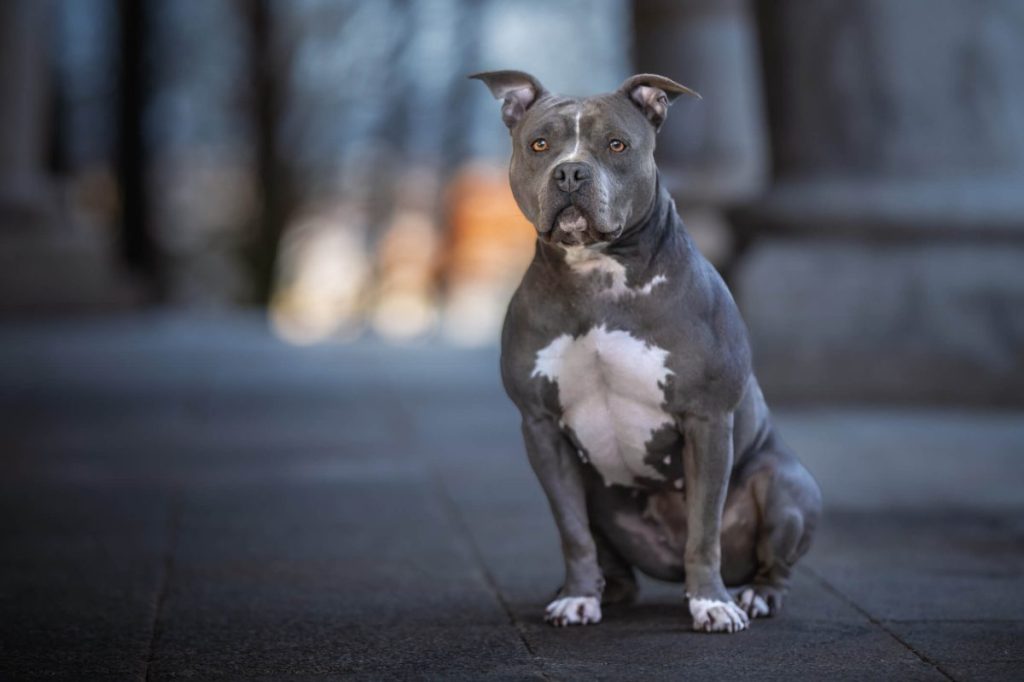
(653, 94)
(518, 90)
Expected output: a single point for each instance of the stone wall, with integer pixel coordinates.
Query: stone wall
(887, 257)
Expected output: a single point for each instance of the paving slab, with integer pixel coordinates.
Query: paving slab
(190, 497)
(81, 570)
(298, 573)
(785, 650)
(963, 644)
(925, 566)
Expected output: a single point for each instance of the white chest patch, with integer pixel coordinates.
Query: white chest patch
(611, 390)
(585, 261)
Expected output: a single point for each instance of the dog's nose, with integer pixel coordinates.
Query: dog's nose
(569, 176)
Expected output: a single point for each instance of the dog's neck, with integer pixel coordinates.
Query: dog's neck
(646, 237)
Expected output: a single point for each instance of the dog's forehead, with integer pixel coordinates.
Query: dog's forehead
(612, 108)
(551, 114)
(556, 113)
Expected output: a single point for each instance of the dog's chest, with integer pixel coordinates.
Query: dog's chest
(611, 395)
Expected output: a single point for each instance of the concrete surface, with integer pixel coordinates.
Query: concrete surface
(187, 497)
(898, 322)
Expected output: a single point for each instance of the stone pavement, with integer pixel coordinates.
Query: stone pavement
(187, 497)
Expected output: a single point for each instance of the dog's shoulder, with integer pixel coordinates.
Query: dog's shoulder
(717, 351)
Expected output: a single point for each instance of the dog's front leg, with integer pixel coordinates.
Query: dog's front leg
(558, 468)
(707, 462)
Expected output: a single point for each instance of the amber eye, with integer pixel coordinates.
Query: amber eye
(539, 145)
(617, 146)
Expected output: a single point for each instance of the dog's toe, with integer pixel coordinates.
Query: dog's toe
(713, 615)
(752, 603)
(573, 611)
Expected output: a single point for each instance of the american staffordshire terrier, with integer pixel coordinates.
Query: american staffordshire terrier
(628, 360)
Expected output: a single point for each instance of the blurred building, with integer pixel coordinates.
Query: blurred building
(51, 255)
(887, 256)
(854, 169)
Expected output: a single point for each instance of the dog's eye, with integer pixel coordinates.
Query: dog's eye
(617, 146)
(539, 145)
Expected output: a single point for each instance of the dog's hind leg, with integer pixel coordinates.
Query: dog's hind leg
(619, 578)
(789, 505)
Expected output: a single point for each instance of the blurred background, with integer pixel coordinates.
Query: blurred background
(254, 257)
(855, 169)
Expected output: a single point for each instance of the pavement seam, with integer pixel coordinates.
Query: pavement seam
(969, 621)
(836, 592)
(451, 510)
(455, 518)
(163, 585)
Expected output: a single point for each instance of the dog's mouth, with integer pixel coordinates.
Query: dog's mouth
(571, 227)
(571, 219)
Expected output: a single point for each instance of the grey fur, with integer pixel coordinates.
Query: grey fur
(722, 439)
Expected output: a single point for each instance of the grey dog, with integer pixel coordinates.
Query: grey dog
(631, 367)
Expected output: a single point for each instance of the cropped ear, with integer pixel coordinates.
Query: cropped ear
(518, 90)
(653, 94)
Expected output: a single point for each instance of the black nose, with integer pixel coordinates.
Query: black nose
(569, 176)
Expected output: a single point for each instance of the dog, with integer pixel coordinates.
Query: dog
(631, 367)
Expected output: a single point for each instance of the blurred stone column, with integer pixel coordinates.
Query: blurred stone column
(712, 153)
(43, 263)
(888, 255)
(23, 114)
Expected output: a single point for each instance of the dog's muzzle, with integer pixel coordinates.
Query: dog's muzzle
(571, 227)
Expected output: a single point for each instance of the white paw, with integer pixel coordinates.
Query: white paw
(573, 611)
(713, 615)
(752, 603)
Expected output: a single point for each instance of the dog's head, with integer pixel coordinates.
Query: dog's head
(583, 169)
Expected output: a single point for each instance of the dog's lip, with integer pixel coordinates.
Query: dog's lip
(589, 236)
(556, 217)
(570, 213)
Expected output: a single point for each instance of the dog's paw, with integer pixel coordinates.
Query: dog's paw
(752, 603)
(713, 615)
(573, 611)
(770, 597)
